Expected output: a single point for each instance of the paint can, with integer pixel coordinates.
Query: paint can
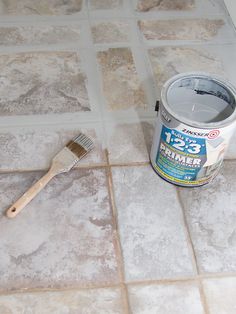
(196, 120)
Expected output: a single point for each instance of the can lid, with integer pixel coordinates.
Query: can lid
(200, 99)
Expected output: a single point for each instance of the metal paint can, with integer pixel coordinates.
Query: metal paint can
(196, 120)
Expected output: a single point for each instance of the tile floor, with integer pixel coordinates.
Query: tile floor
(111, 236)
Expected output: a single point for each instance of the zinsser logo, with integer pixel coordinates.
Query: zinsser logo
(211, 135)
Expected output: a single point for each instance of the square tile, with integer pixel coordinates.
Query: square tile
(181, 298)
(34, 148)
(161, 5)
(40, 7)
(107, 301)
(121, 85)
(220, 294)
(181, 29)
(42, 82)
(151, 227)
(40, 34)
(211, 216)
(63, 238)
(129, 142)
(105, 4)
(110, 32)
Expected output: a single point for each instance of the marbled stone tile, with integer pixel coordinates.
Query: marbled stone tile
(153, 5)
(181, 29)
(169, 61)
(35, 35)
(211, 216)
(220, 294)
(129, 142)
(42, 82)
(103, 301)
(40, 7)
(105, 4)
(31, 149)
(151, 228)
(108, 32)
(63, 238)
(121, 85)
(181, 298)
(231, 151)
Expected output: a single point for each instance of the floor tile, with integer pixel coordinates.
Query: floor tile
(181, 29)
(211, 216)
(169, 61)
(105, 4)
(64, 238)
(121, 85)
(231, 151)
(151, 227)
(40, 7)
(42, 82)
(110, 31)
(154, 5)
(35, 35)
(34, 148)
(181, 298)
(103, 301)
(220, 294)
(129, 142)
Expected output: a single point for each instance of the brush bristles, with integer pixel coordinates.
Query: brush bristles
(80, 145)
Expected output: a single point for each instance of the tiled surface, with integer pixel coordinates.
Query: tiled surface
(152, 299)
(220, 295)
(132, 242)
(57, 83)
(151, 227)
(211, 219)
(83, 302)
(66, 233)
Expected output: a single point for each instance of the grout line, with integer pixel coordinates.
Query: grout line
(119, 253)
(203, 297)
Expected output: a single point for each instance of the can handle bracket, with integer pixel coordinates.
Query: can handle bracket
(157, 106)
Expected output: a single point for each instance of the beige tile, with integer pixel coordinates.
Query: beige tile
(181, 298)
(169, 61)
(105, 4)
(40, 7)
(211, 216)
(35, 35)
(112, 31)
(42, 82)
(103, 301)
(63, 238)
(129, 142)
(220, 294)
(153, 5)
(181, 29)
(151, 228)
(121, 85)
(31, 149)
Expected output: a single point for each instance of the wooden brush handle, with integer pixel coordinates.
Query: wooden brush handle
(16, 208)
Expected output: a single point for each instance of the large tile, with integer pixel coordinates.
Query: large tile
(110, 31)
(181, 298)
(169, 61)
(181, 29)
(151, 228)
(103, 301)
(34, 148)
(35, 35)
(129, 142)
(63, 238)
(156, 5)
(105, 4)
(42, 82)
(121, 85)
(220, 294)
(211, 216)
(40, 7)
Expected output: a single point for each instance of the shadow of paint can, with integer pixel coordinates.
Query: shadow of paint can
(196, 120)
